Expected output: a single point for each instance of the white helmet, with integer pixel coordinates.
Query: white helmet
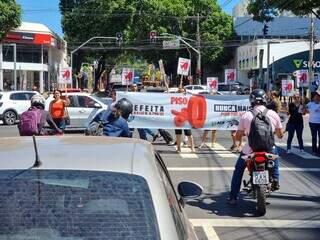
(38, 100)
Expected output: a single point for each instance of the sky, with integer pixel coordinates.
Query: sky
(47, 12)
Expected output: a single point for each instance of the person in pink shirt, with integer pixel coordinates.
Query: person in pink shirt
(258, 101)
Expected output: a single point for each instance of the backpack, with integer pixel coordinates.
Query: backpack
(30, 122)
(261, 137)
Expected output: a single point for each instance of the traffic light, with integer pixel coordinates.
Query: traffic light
(265, 30)
(153, 36)
(119, 38)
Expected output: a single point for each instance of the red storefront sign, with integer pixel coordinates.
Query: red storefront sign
(33, 38)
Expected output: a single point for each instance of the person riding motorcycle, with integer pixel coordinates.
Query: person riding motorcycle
(115, 119)
(258, 102)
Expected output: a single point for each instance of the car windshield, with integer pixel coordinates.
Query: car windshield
(74, 205)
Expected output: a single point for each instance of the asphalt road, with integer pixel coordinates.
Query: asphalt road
(293, 212)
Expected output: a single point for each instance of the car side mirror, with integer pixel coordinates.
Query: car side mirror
(97, 105)
(189, 190)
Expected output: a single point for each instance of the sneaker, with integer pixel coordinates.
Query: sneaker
(172, 143)
(288, 151)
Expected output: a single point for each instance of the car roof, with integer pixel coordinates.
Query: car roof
(19, 91)
(76, 152)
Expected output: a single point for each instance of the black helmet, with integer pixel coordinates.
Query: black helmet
(258, 96)
(125, 106)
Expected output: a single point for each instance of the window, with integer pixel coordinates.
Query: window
(173, 201)
(72, 101)
(188, 87)
(197, 88)
(86, 102)
(19, 96)
(70, 204)
(29, 95)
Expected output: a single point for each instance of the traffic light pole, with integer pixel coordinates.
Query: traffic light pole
(78, 48)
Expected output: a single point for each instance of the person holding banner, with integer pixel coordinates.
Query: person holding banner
(57, 108)
(295, 122)
(313, 108)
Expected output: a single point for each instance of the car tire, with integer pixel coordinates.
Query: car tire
(9, 117)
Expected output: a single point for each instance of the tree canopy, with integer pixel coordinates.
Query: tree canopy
(263, 10)
(10, 16)
(83, 19)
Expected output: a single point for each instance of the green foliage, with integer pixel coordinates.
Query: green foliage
(83, 19)
(263, 10)
(10, 16)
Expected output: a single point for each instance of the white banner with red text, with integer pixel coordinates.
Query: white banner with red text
(184, 111)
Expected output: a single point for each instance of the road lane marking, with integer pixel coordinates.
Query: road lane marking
(210, 233)
(218, 148)
(251, 223)
(284, 169)
(295, 150)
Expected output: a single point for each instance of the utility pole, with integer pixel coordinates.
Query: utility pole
(311, 76)
(199, 49)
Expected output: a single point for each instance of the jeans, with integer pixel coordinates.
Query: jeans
(144, 131)
(315, 133)
(291, 128)
(238, 173)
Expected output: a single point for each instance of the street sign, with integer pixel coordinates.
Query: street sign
(65, 76)
(153, 36)
(171, 44)
(183, 66)
(127, 76)
(230, 76)
(212, 84)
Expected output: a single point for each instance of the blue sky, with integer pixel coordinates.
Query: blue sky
(47, 12)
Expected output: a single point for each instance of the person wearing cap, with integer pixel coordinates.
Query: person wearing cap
(313, 108)
(295, 122)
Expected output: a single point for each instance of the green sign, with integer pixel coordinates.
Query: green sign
(297, 62)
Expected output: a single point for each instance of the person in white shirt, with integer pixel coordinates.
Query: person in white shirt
(313, 108)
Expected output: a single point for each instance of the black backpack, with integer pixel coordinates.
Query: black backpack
(261, 137)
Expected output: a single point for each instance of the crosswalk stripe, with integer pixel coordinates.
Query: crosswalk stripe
(295, 150)
(283, 169)
(252, 223)
(210, 233)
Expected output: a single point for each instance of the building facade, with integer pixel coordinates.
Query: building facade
(31, 57)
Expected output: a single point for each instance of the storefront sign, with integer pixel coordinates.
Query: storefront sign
(34, 38)
(184, 111)
(300, 63)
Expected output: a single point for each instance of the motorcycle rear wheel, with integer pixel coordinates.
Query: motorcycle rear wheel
(261, 199)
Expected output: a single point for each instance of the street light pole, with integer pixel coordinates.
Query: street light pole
(78, 48)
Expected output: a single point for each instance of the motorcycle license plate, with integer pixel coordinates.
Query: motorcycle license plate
(261, 177)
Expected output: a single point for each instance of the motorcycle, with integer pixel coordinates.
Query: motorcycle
(260, 166)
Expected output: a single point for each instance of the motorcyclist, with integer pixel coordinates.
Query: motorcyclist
(115, 119)
(38, 101)
(258, 101)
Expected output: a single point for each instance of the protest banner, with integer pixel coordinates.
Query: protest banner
(185, 111)
(183, 66)
(127, 76)
(287, 87)
(212, 84)
(302, 77)
(230, 76)
(65, 76)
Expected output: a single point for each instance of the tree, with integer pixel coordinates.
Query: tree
(264, 10)
(83, 19)
(10, 16)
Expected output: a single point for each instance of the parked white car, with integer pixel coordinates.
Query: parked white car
(13, 103)
(89, 188)
(83, 106)
(195, 89)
